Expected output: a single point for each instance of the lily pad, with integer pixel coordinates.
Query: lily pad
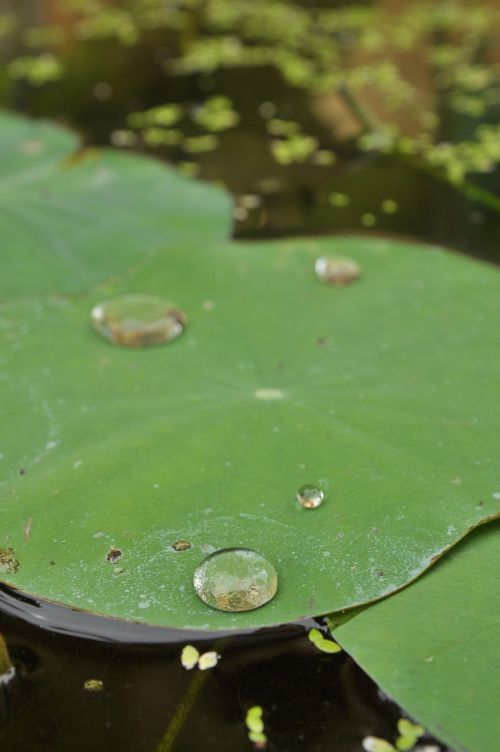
(377, 393)
(70, 219)
(434, 646)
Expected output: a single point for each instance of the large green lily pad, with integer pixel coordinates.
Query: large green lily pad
(434, 646)
(70, 219)
(383, 392)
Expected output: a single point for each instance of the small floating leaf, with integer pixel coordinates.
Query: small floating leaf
(389, 206)
(409, 734)
(255, 726)
(208, 660)
(94, 685)
(323, 643)
(189, 657)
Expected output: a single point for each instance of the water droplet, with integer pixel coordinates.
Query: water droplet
(310, 497)
(323, 643)
(181, 545)
(235, 579)
(337, 270)
(138, 320)
(339, 200)
(368, 219)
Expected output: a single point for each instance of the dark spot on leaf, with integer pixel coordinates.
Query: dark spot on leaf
(114, 555)
(181, 545)
(321, 341)
(22, 471)
(381, 574)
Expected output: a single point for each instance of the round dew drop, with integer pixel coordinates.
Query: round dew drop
(310, 497)
(138, 320)
(337, 270)
(235, 579)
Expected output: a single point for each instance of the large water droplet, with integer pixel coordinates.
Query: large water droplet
(138, 320)
(337, 270)
(310, 497)
(235, 579)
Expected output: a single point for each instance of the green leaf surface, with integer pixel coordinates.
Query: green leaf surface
(70, 220)
(434, 646)
(376, 392)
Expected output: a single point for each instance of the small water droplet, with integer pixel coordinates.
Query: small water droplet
(181, 545)
(310, 497)
(138, 320)
(235, 579)
(337, 270)
(189, 657)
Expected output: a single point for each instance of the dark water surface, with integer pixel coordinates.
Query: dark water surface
(150, 703)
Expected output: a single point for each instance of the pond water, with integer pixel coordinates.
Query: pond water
(150, 703)
(400, 142)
